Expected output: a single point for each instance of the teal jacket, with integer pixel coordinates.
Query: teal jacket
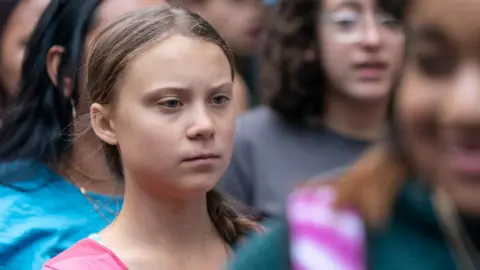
(42, 214)
(412, 240)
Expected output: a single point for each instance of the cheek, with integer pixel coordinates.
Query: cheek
(146, 141)
(144, 130)
(395, 50)
(11, 61)
(416, 109)
(226, 132)
(334, 55)
(224, 122)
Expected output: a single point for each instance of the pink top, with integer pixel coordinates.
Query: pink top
(87, 254)
(323, 237)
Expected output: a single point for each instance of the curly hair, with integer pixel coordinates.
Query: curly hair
(293, 83)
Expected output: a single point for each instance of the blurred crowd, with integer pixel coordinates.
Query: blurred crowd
(239, 134)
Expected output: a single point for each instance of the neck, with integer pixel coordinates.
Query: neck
(355, 119)
(147, 223)
(88, 168)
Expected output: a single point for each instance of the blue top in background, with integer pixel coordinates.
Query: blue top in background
(270, 2)
(43, 214)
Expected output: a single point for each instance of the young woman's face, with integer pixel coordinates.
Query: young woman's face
(174, 117)
(238, 21)
(439, 97)
(361, 48)
(14, 39)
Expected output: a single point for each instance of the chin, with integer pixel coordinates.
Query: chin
(198, 184)
(369, 93)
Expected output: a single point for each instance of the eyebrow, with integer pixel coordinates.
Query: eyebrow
(349, 3)
(227, 86)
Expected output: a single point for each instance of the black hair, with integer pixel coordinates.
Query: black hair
(6, 9)
(397, 8)
(38, 125)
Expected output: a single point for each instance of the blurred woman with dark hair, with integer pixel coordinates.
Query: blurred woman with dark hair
(413, 201)
(328, 67)
(17, 22)
(55, 189)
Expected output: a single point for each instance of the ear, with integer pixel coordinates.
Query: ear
(103, 125)
(54, 57)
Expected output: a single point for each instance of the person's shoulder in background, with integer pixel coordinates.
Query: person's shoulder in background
(255, 120)
(35, 224)
(28, 233)
(335, 235)
(267, 249)
(312, 225)
(252, 130)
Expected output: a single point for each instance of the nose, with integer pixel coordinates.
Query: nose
(371, 34)
(202, 125)
(462, 103)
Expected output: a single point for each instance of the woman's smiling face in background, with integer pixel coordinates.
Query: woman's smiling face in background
(438, 102)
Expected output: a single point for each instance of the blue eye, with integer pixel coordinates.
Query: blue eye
(221, 99)
(171, 103)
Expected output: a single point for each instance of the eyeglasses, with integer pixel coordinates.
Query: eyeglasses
(351, 25)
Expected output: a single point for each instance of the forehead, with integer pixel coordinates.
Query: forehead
(353, 3)
(185, 62)
(455, 20)
(28, 11)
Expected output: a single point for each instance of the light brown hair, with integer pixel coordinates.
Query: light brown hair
(111, 53)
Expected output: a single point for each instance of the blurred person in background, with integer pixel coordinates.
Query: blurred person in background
(18, 19)
(240, 23)
(329, 66)
(55, 189)
(413, 201)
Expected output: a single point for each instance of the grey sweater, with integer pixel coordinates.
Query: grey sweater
(272, 156)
